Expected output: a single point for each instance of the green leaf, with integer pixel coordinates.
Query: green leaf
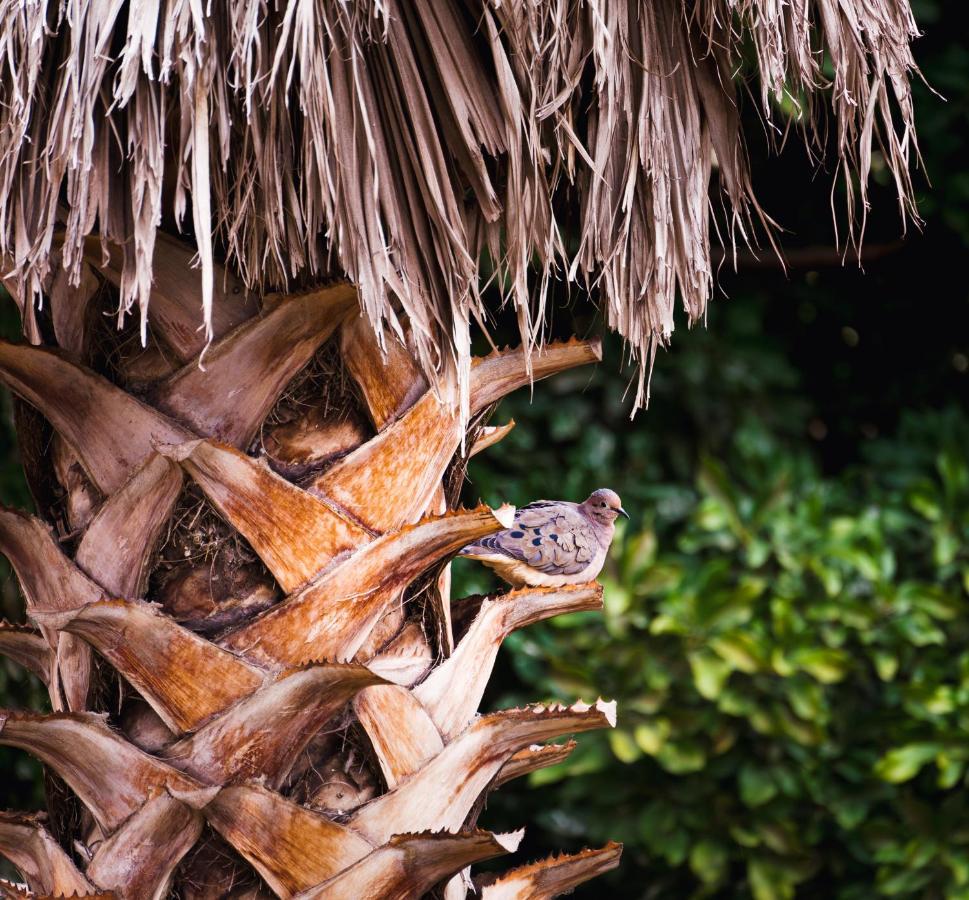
(905, 883)
(925, 502)
(850, 812)
(829, 576)
(904, 763)
(641, 550)
(740, 650)
(950, 770)
(807, 734)
(769, 880)
(941, 701)
(710, 673)
(780, 837)
(758, 552)
(757, 787)
(675, 847)
(937, 603)
(958, 864)
(886, 664)
(806, 698)
(623, 746)
(947, 545)
(656, 820)
(616, 601)
(710, 515)
(681, 757)
(827, 665)
(665, 624)
(715, 482)
(745, 837)
(709, 860)
(954, 471)
(781, 664)
(650, 736)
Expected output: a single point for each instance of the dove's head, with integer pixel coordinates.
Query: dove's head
(604, 506)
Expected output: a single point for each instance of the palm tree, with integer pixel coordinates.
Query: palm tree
(247, 493)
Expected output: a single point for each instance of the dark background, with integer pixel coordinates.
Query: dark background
(785, 624)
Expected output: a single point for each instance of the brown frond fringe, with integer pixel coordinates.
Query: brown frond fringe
(411, 144)
(550, 877)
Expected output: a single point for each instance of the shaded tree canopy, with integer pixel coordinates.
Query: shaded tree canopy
(420, 146)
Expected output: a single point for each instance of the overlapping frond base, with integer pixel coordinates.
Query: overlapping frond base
(299, 714)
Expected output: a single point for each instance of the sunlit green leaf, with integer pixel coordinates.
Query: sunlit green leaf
(958, 863)
(806, 698)
(947, 545)
(925, 501)
(681, 757)
(709, 860)
(740, 650)
(904, 883)
(623, 745)
(951, 770)
(650, 736)
(904, 763)
(886, 664)
(769, 880)
(710, 673)
(828, 666)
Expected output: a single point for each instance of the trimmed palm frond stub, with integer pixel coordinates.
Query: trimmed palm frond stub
(406, 143)
(257, 684)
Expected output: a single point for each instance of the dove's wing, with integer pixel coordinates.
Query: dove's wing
(552, 538)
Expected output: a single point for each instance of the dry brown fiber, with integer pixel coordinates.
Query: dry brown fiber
(405, 142)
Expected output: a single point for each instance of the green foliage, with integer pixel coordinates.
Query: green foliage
(791, 658)
(20, 786)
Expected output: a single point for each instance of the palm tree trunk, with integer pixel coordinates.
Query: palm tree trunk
(239, 602)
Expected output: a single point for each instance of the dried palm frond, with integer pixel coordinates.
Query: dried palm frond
(407, 143)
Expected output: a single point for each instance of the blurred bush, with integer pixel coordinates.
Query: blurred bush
(20, 775)
(791, 658)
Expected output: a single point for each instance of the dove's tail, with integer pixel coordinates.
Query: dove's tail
(486, 546)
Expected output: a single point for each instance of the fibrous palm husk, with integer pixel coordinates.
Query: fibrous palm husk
(409, 144)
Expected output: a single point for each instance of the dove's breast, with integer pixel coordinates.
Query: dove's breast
(520, 574)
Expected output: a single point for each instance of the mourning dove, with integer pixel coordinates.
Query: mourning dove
(552, 542)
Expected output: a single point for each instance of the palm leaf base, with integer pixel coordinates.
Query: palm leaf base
(238, 597)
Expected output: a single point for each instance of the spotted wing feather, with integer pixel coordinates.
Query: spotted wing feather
(552, 538)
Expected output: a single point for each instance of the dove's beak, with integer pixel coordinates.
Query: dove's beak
(623, 512)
